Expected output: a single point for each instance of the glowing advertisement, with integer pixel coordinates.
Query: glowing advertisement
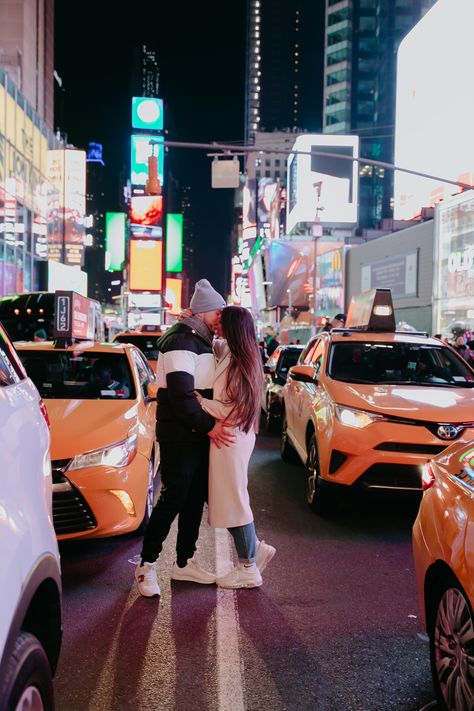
(400, 274)
(146, 265)
(434, 107)
(268, 207)
(141, 150)
(174, 288)
(290, 268)
(249, 211)
(146, 210)
(63, 277)
(147, 113)
(256, 286)
(330, 281)
(66, 205)
(115, 235)
(323, 188)
(174, 242)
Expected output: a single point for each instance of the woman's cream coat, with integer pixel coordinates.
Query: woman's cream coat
(229, 504)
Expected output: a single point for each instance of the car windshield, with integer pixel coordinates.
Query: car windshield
(287, 360)
(398, 363)
(147, 344)
(77, 375)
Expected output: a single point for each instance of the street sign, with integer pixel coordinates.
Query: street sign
(225, 173)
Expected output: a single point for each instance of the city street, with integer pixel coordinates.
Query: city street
(336, 625)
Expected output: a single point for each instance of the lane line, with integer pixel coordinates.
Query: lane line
(230, 678)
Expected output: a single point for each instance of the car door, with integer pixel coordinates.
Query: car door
(146, 407)
(308, 396)
(293, 389)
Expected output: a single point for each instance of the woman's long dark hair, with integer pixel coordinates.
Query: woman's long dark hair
(245, 371)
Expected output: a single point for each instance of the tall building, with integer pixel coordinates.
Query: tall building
(146, 73)
(361, 42)
(96, 205)
(284, 65)
(27, 52)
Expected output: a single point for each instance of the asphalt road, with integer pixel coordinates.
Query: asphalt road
(335, 627)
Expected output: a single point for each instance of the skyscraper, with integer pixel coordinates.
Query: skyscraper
(27, 51)
(361, 42)
(284, 65)
(146, 73)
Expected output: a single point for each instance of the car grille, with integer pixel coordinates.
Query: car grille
(392, 476)
(411, 448)
(71, 512)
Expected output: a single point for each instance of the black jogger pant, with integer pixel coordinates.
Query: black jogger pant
(184, 475)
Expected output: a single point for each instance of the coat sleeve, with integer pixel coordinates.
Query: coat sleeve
(180, 367)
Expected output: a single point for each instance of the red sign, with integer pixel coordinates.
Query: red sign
(73, 316)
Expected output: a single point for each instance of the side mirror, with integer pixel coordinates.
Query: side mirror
(303, 374)
(151, 392)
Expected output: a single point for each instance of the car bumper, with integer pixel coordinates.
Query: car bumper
(96, 502)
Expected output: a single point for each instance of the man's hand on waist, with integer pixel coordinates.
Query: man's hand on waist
(222, 435)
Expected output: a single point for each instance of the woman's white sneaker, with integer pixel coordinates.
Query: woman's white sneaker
(265, 553)
(147, 584)
(241, 576)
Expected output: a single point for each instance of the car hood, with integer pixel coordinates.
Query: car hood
(414, 402)
(79, 426)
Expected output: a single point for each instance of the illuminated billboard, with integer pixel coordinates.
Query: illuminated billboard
(435, 107)
(146, 210)
(249, 211)
(115, 231)
(290, 269)
(268, 207)
(174, 289)
(147, 113)
(174, 242)
(141, 150)
(323, 188)
(146, 265)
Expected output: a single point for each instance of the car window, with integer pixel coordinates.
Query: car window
(398, 363)
(308, 353)
(317, 356)
(10, 370)
(80, 375)
(146, 343)
(145, 373)
(287, 360)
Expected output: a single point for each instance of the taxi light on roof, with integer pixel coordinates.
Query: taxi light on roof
(372, 311)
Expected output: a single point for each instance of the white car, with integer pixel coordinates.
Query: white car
(30, 610)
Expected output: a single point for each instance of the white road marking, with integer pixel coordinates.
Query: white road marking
(230, 680)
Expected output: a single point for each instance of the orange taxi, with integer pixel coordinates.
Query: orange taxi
(101, 402)
(367, 405)
(144, 339)
(443, 550)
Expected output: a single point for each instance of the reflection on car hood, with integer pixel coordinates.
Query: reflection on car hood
(408, 401)
(79, 426)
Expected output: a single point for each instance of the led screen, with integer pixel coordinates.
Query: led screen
(115, 229)
(146, 264)
(323, 187)
(173, 295)
(141, 150)
(146, 210)
(147, 113)
(174, 242)
(434, 107)
(290, 267)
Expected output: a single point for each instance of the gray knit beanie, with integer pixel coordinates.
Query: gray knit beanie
(205, 298)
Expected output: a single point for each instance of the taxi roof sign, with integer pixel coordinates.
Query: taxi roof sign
(73, 317)
(372, 311)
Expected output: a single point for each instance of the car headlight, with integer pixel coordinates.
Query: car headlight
(118, 454)
(355, 418)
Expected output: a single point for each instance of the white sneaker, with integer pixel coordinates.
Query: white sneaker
(241, 577)
(265, 553)
(147, 584)
(193, 572)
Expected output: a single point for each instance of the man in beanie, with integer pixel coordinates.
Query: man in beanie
(186, 363)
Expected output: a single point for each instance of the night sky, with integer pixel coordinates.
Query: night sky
(201, 55)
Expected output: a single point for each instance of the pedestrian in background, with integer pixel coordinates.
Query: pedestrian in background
(339, 321)
(186, 364)
(271, 343)
(40, 335)
(236, 402)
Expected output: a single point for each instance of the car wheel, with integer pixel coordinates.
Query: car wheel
(28, 682)
(287, 452)
(452, 649)
(150, 496)
(319, 498)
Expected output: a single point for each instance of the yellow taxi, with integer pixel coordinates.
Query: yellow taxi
(368, 406)
(145, 339)
(443, 550)
(101, 402)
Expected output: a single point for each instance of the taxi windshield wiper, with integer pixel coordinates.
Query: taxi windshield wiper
(343, 379)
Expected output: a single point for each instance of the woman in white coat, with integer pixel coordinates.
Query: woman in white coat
(236, 400)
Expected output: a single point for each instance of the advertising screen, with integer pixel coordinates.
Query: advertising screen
(174, 289)
(174, 242)
(330, 281)
(147, 113)
(268, 208)
(141, 150)
(257, 288)
(323, 186)
(434, 107)
(146, 210)
(146, 264)
(66, 205)
(249, 211)
(290, 269)
(115, 230)
(63, 277)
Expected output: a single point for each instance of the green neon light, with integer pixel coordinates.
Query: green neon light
(174, 242)
(115, 227)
